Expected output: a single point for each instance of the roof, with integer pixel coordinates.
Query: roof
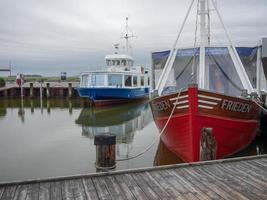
(118, 56)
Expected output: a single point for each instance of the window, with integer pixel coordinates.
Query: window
(98, 80)
(118, 62)
(84, 80)
(148, 81)
(115, 80)
(142, 80)
(128, 80)
(135, 81)
(108, 62)
(123, 62)
(113, 62)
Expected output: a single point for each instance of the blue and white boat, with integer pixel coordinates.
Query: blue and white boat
(119, 82)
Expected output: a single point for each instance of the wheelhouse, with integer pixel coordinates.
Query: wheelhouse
(114, 80)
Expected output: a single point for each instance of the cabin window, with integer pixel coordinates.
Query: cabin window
(130, 63)
(98, 80)
(84, 80)
(135, 81)
(123, 62)
(115, 80)
(142, 81)
(118, 62)
(128, 80)
(113, 62)
(108, 62)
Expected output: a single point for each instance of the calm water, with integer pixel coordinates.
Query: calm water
(56, 138)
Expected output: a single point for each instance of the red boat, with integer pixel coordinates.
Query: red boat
(209, 119)
(234, 123)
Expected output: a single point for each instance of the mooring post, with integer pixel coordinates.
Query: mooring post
(47, 90)
(31, 90)
(105, 151)
(70, 90)
(208, 145)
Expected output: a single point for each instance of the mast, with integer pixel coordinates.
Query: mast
(126, 35)
(203, 43)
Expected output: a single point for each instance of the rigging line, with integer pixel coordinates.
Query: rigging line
(185, 67)
(226, 76)
(264, 109)
(161, 132)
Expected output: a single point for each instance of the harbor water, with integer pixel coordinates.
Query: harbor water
(51, 138)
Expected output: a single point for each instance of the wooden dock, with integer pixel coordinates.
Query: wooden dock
(238, 178)
(48, 89)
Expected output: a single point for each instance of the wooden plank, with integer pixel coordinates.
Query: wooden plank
(78, 190)
(55, 191)
(1, 191)
(237, 183)
(144, 186)
(21, 192)
(133, 187)
(127, 192)
(113, 187)
(254, 178)
(228, 188)
(9, 192)
(44, 191)
(196, 184)
(186, 182)
(173, 181)
(210, 183)
(169, 188)
(101, 189)
(154, 185)
(32, 191)
(66, 190)
(89, 189)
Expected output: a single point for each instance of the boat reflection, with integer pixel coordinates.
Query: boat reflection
(164, 156)
(123, 121)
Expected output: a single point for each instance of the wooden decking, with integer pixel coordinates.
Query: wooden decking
(244, 178)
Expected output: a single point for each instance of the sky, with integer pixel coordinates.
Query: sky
(49, 36)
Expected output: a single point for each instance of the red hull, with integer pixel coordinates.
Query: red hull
(232, 131)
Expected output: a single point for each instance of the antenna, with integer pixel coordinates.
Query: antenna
(126, 35)
(116, 46)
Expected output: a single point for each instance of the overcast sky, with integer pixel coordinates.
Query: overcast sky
(75, 34)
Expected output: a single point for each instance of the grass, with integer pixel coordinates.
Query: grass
(43, 78)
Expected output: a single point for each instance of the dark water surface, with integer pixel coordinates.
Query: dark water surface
(56, 138)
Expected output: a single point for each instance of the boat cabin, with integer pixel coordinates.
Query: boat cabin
(119, 61)
(114, 80)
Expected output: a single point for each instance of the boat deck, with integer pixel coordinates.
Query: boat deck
(238, 178)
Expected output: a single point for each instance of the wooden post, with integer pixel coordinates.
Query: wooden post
(31, 90)
(5, 93)
(70, 90)
(47, 90)
(208, 145)
(105, 151)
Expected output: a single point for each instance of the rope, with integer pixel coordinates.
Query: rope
(264, 109)
(162, 131)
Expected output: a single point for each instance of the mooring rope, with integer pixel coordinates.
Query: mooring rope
(162, 131)
(264, 109)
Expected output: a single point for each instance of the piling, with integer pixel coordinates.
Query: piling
(208, 145)
(105, 151)
(31, 90)
(47, 90)
(70, 90)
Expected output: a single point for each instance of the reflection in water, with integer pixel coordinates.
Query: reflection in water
(164, 156)
(123, 121)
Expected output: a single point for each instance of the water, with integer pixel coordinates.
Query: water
(56, 138)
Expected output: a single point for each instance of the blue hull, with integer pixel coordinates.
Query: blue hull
(113, 93)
